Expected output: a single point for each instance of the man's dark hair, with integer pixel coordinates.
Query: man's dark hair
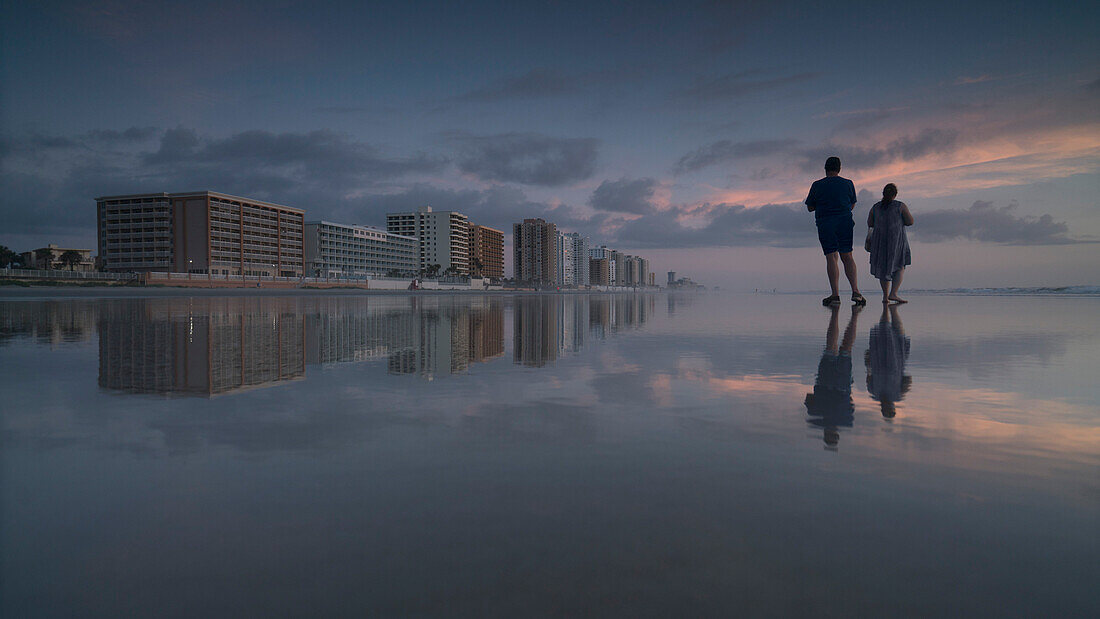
(832, 164)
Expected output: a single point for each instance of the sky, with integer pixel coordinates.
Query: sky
(684, 132)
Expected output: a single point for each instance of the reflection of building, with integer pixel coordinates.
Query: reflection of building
(199, 232)
(48, 322)
(343, 250)
(535, 249)
(536, 330)
(487, 249)
(449, 334)
(444, 237)
(48, 257)
(207, 347)
(487, 331)
(546, 327)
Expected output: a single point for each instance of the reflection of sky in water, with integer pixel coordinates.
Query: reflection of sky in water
(464, 454)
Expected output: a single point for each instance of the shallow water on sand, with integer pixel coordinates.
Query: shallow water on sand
(573, 454)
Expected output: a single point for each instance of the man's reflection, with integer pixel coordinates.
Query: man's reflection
(830, 405)
(885, 361)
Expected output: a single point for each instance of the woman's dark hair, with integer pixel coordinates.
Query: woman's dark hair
(889, 192)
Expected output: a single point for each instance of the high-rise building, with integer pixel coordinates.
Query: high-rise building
(199, 232)
(535, 252)
(573, 259)
(599, 270)
(343, 250)
(444, 237)
(486, 250)
(671, 277)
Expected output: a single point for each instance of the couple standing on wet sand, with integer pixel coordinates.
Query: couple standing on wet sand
(831, 200)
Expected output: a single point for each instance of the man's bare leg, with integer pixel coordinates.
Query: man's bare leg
(851, 272)
(833, 269)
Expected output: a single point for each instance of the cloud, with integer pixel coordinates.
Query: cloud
(319, 155)
(987, 223)
(740, 84)
(50, 181)
(905, 148)
(536, 83)
(725, 151)
(527, 158)
(963, 80)
(498, 207)
(727, 225)
(624, 196)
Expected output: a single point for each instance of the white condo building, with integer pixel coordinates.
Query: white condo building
(443, 236)
(344, 250)
(573, 259)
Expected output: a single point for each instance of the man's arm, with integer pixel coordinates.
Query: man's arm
(852, 195)
(810, 200)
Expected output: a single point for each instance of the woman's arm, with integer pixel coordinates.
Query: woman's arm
(871, 218)
(906, 216)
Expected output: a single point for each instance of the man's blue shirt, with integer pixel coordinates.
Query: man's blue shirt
(831, 196)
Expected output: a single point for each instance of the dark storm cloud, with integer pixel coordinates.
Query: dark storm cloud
(725, 151)
(624, 196)
(527, 158)
(739, 84)
(321, 155)
(905, 148)
(988, 223)
(728, 225)
(50, 181)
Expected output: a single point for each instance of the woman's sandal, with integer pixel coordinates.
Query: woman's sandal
(833, 300)
(858, 299)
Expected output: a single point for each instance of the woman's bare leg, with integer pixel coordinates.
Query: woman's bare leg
(885, 290)
(895, 285)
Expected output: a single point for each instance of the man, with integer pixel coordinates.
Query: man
(831, 200)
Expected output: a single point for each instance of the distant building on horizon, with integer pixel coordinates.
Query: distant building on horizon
(199, 232)
(444, 237)
(346, 250)
(486, 249)
(535, 252)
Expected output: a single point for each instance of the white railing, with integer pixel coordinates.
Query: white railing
(64, 274)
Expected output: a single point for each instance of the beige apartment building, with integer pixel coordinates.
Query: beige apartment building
(199, 232)
(487, 249)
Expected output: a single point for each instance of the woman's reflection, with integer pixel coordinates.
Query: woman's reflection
(885, 361)
(830, 405)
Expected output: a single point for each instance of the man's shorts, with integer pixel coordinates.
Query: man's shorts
(835, 233)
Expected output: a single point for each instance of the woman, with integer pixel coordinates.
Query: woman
(888, 244)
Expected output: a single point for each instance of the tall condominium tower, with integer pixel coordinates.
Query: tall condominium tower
(487, 250)
(444, 237)
(535, 252)
(573, 259)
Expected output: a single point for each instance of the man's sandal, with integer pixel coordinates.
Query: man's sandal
(833, 300)
(858, 299)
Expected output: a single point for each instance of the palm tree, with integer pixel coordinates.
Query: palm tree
(7, 256)
(44, 255)
(70, 257)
